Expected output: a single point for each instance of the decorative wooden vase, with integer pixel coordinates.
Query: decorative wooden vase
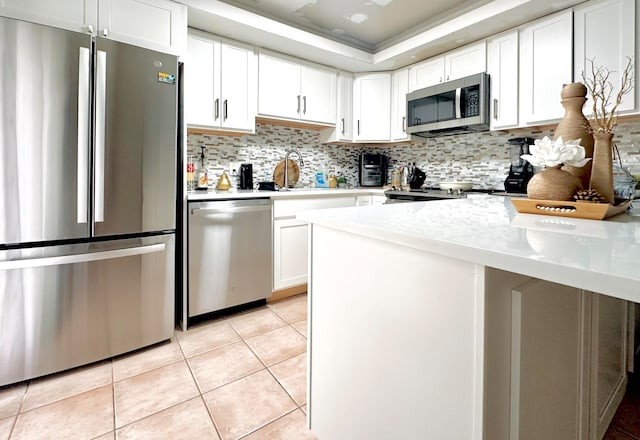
(574, 126)
(602, 167)
(553, 183)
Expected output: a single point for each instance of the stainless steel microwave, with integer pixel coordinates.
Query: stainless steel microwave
(453, 107)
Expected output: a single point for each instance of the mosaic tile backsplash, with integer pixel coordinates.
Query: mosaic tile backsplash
(481, 158)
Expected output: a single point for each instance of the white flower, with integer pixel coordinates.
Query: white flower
(549, 153)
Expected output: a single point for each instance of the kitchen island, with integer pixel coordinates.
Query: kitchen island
(464, 319)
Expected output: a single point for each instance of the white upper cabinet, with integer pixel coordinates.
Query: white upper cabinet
(74, 15)
(604, 32)
(291, 89)
(343, 131)
(155, 24)
(458, 63)
(372, 107)
(399, 90)
(502, 67)
(426, 73)
(546, 60)
(221, 84)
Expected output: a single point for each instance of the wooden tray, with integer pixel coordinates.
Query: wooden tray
(593, 211)
(294, 173)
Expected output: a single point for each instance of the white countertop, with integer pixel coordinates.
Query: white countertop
(293, 192)
(598, 255)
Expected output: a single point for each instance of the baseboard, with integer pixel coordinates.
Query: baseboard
(286, 293)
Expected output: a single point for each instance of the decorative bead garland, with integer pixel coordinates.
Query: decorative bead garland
(556, 208)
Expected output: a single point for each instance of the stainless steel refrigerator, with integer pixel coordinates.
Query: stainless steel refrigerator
(87, 198)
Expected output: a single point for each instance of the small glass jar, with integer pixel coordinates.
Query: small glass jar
(624, 183)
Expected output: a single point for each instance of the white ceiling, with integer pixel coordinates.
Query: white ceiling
(364, 35)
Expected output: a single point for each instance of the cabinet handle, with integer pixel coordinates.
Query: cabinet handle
(447, 77)
(89, 28)
(404, 124)
(342, 122)
(216, 109)
(304, 106)
(298, 111)
(224, 110)
(105, 32)
(440, 79)
(358, 127)
(495, 109)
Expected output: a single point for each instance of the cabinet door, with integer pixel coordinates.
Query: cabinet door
(372, 107)
(319, 93)
(502, 66)
(399, 105)
(199, 85)
(465, 61)
(155, 24)
(73, 15)
(344, 122)
(545, 65)
(290, 246)
(278, 87)
(609, 360)
(237, 87)
(604, 32)
(549, 349)
(426, 73)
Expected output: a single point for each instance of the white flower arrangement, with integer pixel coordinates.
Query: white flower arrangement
(550, 153)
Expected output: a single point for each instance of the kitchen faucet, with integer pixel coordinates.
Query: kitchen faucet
(285, 187)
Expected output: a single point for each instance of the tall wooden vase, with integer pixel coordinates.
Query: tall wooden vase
(602, 167)
(574, 126)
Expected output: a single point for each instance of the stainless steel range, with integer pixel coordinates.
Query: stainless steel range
(422, 195)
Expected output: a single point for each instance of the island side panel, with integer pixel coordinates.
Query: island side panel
(396, 341)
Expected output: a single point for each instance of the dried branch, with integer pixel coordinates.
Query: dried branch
(601, 91)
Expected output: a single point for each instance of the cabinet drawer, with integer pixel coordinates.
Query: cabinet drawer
(289, 207)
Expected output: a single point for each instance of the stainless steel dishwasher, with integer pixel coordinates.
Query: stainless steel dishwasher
(229, 253)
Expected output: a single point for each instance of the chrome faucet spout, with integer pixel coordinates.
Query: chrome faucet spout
(290, 151)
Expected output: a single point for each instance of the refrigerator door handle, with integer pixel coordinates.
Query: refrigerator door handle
(101, 86)
(81, 258)
(83, 135)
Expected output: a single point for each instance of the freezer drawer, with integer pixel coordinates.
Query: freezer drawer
(65, 306)
(229, 254)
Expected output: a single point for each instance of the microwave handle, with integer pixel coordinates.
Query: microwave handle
(458, 103)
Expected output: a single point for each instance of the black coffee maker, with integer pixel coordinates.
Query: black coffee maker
(520, 171)
(246, 176)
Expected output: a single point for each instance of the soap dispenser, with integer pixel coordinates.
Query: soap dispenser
(201, 173)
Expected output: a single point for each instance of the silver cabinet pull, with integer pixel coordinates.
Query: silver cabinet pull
(358, 127)
(304, 107)
(224, 110)
(101, 87)
(404, 124)
(83, 136)
(495, 109)
(298, 110)
(216, 109)
(105, 32)
(228, 210)
(81, 258)
(342, 122)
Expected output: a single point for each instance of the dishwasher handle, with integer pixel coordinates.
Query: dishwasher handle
(229, 210)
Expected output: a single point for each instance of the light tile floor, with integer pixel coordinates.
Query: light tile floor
(240, 377)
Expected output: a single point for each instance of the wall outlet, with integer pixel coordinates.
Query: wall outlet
(234, 168)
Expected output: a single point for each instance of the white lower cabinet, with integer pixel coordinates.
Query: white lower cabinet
(545, 339)
(290, 237)
(290, 249)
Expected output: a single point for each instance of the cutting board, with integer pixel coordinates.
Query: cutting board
(294, 173)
